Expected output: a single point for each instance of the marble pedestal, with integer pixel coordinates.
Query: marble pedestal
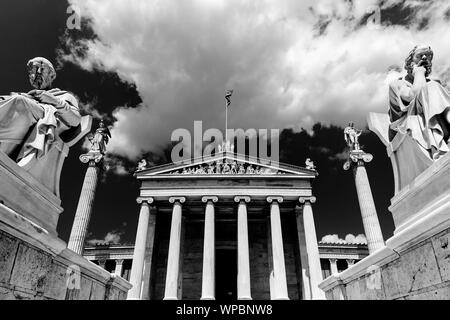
(34, 262)
(415, 263)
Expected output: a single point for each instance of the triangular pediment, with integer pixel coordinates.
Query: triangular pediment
(226, 163)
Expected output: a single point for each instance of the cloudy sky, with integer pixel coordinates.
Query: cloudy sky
(149, 67)
(291, 63)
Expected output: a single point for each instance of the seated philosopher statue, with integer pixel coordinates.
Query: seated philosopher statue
(30, 122)
(419, 106)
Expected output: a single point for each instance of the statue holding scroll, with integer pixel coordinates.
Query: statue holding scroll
(30, 122)
(38, 128)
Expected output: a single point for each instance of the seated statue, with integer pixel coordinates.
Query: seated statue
(37, 128)
(416, 130)
(31, 121)
(419, 106)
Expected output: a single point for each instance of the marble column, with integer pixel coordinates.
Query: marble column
(119, 267)
(312, 249)
(279, 267)
(137, 267)
(304, 265)
(148, 259)
(209, 250)
(333, 266)
(173, 260)
(84, 208)
(243, 280)
(369, 215)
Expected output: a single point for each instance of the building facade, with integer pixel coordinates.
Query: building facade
(334, 257)
(223, 227)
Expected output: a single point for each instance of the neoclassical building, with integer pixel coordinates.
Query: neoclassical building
(334, 257)
(223, 227)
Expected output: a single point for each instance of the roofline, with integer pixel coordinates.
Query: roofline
(237, 156)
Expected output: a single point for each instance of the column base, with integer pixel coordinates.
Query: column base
(281, 298)
(245, 298)
(170, 298)
(207, 298)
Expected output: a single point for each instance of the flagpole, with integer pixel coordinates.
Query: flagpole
(226, 122)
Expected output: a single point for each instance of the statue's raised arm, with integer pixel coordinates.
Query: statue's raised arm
(420, 106)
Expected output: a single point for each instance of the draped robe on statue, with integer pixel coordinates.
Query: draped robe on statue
(422, 116)
(23, 117)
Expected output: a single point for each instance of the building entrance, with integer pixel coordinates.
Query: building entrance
(226, 274)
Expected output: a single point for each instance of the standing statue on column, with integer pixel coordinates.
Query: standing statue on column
(100, 139)
(30, 122)
(420, 106)
(351, 136)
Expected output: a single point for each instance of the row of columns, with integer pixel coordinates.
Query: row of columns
(119, 265)
(279, 289)
(333, 264)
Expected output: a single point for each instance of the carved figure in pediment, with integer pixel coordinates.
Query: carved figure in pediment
(241, 169)
(226, 168)
(233, 169)
(250, 169)
(218, 167)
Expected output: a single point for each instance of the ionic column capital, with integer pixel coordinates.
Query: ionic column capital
(119, 261)
(142, 200)
(358, 158)
(214, 199)
(333, 260)
(303, 200)
(274, 198)
(242, 198)
(177, 199)
(91, 158)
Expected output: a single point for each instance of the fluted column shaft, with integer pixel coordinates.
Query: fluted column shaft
(137, 267)
(312, 249)
(368, 211)
(84, 209)
(173, 260)
(119, 267)
(243, 281)
(209, 257)
(279, 267)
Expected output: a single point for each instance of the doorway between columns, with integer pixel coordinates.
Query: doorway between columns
(226, 274)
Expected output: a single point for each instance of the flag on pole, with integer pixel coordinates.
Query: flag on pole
(228, 95)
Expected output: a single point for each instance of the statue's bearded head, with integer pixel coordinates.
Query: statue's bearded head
(421, 56)
(41, 73)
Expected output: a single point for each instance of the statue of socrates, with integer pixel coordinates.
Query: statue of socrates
(420, 106)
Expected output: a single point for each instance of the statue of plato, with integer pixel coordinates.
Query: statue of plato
(30, 122)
